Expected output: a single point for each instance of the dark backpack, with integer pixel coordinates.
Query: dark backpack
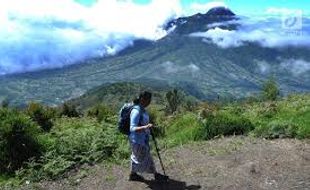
(124, 118)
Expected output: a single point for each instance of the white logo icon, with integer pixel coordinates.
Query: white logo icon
(292, 20)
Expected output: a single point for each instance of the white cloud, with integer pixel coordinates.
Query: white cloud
(171, 67)
(39, 34)
(192, 67)
(262, 66)
(296, 66)
(267, 32)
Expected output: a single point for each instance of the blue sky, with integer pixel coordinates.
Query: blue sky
(244, 7)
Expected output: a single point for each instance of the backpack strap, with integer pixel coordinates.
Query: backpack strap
(140, 114)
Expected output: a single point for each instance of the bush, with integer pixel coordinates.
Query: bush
(5, 103)
(101, 112)
(270, 90)
(41, 115)
(185, 128)
(190, 103)
(304, 131)
(226, 123)
(73, 142)
(268, 109)
(18, 142)
(174, 99)
(159, 119)
(277, 129)
(69, 110)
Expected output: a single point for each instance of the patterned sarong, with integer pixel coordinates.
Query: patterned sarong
(141, 159)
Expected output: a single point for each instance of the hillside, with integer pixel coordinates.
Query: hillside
(203, 70)
(116, 94)
(56, 148)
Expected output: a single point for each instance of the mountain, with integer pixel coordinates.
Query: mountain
(203, 70)
(201, 22)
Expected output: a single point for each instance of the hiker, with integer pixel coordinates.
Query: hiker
(141, 159)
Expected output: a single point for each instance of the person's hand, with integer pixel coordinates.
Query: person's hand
(150, 125)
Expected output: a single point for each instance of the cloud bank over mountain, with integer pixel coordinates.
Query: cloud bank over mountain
(272, 32)
(40, 34)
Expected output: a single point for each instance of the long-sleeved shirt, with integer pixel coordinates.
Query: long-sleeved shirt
(136, 120)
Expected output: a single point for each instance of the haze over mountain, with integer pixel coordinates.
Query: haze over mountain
(215, 53)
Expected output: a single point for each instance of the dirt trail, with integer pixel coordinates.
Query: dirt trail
(229, 163)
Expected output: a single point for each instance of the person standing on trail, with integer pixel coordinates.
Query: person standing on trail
(141, 159)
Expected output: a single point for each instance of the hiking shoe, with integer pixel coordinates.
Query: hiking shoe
(135, 177)
(160, 177)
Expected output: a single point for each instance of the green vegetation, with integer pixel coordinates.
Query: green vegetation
(71, 143)
(41, 115)
(288, 117)
(270, 90)
(40, 142)
(18, 140)
(69, 110)
(183, 129)
(174, 99)
(114, 95)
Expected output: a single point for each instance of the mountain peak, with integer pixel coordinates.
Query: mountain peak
(200, 22)
(220, 11)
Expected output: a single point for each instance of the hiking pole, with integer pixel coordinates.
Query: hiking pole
(157, 150)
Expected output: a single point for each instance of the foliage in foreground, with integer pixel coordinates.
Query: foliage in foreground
(18, 140)
(72, 142)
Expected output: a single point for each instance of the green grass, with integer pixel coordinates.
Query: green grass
(183, 129)
(289, 117)
(72, 142)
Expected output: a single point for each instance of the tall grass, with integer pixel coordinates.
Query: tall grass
(72, 142)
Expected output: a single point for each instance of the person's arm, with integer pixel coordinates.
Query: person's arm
(134, 122)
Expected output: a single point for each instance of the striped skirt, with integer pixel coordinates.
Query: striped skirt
(141, 159)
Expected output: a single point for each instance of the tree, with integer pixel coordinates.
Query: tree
(41, 115)
(270, 90)
(69, 110)
(5, 103)
(174, 99)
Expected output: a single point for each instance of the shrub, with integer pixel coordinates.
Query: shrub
(303, 131)
(207, 109)
(18, 141)
(159, 119)
(276, 129)
(189, 103)
(73, 142)
(268, 109)
(5, 103)
(185, 128)
(174, 99)
(225, 123)
(69, 110)
(270, 90)
(101, 112)
(41, 115)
